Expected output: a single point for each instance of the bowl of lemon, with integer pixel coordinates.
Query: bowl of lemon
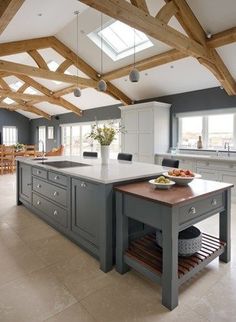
(162, 183)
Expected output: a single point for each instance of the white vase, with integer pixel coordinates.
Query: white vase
(105, 149)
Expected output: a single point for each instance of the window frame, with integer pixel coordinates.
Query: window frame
(205, 127)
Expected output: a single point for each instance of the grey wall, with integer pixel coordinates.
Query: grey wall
(206, 99)
(102, 113)
(8, 118)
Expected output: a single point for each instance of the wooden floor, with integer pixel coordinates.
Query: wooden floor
(45, 277)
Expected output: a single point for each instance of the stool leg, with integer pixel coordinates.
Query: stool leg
(225, 228)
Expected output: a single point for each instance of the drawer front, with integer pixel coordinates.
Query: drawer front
(50, 191)
(56, 213)
(200, 207)
(39, 173)
(57, 178)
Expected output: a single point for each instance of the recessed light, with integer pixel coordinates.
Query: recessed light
(126, 79)
(146, 74)
(171, 66)
(40, 14)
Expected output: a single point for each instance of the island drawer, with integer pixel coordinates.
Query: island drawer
(39, 173)
(50, 191)
(200, 207)
(56, 213)
(57, 178)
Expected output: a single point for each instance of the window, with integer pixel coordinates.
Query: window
(75, 139)
(216, 130)
(119, 39)
(190, 130)
(42, 138)
(220, 130)
(10, 135)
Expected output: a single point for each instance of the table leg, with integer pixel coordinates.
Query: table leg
(170, 260)
(122, 235)
(225, 227)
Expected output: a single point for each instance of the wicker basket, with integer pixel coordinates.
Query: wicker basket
(190, 241)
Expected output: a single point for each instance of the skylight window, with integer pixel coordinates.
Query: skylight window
(8, 101)
(30, 90)
(119, 39)
(15, 86)
(52, 65)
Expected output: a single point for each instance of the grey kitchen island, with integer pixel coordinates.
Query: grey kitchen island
(78, 201)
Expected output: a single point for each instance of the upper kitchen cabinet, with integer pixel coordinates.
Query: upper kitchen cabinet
(146, 130)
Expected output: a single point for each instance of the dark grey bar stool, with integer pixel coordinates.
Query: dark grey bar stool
(170, 163)
(125, 156)
(90, 154)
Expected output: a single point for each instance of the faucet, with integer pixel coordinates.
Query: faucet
(226, 146)
(43, 147)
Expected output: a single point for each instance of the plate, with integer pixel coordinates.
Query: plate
(182, 181)
(163, 186)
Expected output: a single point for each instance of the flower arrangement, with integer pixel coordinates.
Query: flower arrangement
(19, 147)
(104, 134)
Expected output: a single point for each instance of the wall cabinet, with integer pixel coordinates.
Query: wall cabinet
(146, 130)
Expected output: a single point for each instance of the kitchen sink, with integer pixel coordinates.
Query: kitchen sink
(65, 164)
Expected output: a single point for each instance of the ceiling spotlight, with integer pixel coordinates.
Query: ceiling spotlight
(171, 66)
(40, 14)
(221, 87)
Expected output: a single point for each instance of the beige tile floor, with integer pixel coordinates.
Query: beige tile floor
(45, 277)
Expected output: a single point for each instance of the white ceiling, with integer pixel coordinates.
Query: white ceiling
(58, 19)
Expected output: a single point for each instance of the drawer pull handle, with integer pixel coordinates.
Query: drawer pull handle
(214, 202)
(83, 185)
(56, 178)
(38, 202)
(55, 194)
(55, 213)
(192, 211)
(38, 171)
(38, 186)
(29, 184)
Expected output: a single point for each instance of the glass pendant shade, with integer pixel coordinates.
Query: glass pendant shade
(134, 75)
(102, 86)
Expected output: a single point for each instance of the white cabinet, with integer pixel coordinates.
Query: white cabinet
(146, 130)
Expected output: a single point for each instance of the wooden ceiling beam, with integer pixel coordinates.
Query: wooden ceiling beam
(141, 4)
(27, 108)
(222, 38)
(20, 69)
(147, 63)
(8, 9)
(87, 69)
(193, 28)
(167, 12)
(17, 47)
(137, 18)
(35, 55)
(64, 66)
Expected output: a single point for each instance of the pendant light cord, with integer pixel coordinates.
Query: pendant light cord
(101, 44)
(77, 46)
(134, 49)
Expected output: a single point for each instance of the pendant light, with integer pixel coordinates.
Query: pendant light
(77, 91)
(134, 73)
(102, 85)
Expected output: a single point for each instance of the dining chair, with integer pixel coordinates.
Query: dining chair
(124, 156)
(8, 159)
(170, 163)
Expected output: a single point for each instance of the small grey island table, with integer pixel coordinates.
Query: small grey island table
(170, 211)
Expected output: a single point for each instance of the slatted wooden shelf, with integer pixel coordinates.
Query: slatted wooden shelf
(146, 252)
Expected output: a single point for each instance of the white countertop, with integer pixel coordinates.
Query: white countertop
(210, 157)
(115, 171)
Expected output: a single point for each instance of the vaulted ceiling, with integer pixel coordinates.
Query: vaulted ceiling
(33, 33)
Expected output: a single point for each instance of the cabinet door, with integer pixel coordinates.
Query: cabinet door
(145, 147)
(85, 218)
(25, 182)
(229, 177)
(130, 121)
(145, 120)
(208, 174)
(130, 144)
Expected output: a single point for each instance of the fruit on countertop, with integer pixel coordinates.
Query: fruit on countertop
(181, 173)
(162, 180)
